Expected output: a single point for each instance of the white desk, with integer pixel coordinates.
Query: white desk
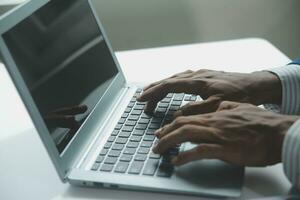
(26, 171)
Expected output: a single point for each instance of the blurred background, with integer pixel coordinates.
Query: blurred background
(135, 24)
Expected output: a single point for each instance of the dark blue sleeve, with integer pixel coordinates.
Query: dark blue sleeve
(297, 62)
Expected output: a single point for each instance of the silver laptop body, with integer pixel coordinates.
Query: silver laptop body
(42, 43)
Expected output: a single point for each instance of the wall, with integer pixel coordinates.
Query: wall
(135, 24)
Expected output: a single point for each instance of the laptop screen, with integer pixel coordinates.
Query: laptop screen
(65, 63)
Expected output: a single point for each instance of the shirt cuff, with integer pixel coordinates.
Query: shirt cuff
(290, 81)
(291, 155)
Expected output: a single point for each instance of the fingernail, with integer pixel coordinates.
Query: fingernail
(154, 149)
(157, 132)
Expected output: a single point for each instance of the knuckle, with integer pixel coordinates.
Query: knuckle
(179, 121)
(202, 70)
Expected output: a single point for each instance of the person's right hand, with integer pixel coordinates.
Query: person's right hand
(214, 87)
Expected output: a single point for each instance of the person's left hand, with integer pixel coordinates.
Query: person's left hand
(237, 133)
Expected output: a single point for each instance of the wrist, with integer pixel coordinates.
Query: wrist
(265, 88)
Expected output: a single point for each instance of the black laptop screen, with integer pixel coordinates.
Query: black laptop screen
(65, 63)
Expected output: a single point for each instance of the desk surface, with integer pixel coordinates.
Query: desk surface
(27, 172)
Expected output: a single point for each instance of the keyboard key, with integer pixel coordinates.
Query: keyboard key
(95, 166)
(103, 152)
(126, 158)
(140, 157)
(144, 121)
(114, 153)
(127, 128)
(150, 167)
(136, 167)
(118, 126)
(165, 170)
(156, 120)
(166, 100)
(159, 114)
(133, 117)
(145, 116)
(124, 134)
(107, 145)
(150, 131)
(133, 99)
(130, 123)
(193, 98)
(140, 103)
(170, 95)
(111, 138)
(121, 140)
(129, 151)
(136, 112)
(146, 144)
(138, 132)
(131, 104)
(143, 150)
(117, 147)
(122, 121)
(128, 110)
(176, 103)
(149, 138)
(154, 126)
(115, 132)
(163, 105)
(110, 160)
(187, 98)
(154, 155)
(139, 107)
(106, 167)
(141, 126)
(132, 144)
(135, 138)
(125, 115)
(162, 110)
(174, 108)
(121, 167)
(99, 159)
(178, 97)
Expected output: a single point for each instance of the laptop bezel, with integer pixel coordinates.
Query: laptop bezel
(65, 161)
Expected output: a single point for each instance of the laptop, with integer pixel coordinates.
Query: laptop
(86, 112)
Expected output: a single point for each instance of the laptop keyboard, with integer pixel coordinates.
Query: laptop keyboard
(128, 148)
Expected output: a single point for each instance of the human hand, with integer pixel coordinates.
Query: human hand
(214, 87)
(65, 117)
(237, 133)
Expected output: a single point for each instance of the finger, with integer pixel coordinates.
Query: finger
(228, 105)
(202, 151)
(174, 76)
(157, 93)
(206, 106)
(186, 133)
(72, 110)
(177, 123)
(61, 121)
